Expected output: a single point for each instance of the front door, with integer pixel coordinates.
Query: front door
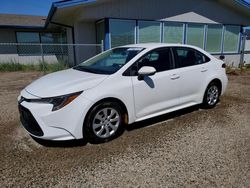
(156, 93)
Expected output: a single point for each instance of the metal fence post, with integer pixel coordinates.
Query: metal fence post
(62, 58)
(41, 47)
(242, 51)
(102, 46)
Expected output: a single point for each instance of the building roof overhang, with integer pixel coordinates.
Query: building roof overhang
(68, 6)
(68, 9)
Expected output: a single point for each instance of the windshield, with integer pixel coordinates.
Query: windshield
(109, 62)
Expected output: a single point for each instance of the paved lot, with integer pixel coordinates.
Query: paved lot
(191, 148)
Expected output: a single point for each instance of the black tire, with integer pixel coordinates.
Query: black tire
(208, 102)
(88, 128)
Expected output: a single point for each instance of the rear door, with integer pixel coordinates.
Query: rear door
(192, 69)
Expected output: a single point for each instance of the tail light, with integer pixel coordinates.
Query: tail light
(224, 65)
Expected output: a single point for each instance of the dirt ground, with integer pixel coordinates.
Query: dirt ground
(191, 148)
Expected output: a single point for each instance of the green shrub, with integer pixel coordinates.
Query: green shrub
(247, 66)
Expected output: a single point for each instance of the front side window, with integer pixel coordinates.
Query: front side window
(109, 62)
(160, 59)
(185, 57)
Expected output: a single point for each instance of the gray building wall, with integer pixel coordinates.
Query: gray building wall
(232, 60)
(197, 11)
(202, 11)
(7, 36)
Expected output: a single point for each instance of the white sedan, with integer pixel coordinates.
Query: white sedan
(94, 99)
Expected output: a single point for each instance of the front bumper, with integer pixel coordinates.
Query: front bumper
(65, 124)
(29, 122)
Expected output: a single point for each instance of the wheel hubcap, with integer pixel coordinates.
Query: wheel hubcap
(106, 122)
(212, 95)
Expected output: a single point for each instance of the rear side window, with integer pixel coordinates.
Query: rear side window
(185, 57)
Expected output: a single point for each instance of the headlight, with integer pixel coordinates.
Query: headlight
(58, 102)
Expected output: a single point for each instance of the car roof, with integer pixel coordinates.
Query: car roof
(158, 45)
(151, 46)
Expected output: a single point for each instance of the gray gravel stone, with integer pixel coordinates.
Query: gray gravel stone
(190, 148)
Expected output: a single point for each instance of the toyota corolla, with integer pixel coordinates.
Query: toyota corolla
(95, 99)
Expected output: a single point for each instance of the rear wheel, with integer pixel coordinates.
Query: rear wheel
(104, 122)
(211, 96)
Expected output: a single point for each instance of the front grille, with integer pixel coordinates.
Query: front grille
(29, 122)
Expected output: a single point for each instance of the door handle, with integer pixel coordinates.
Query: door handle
(175, 76)
(203, 70)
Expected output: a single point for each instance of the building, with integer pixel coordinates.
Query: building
(214, 25)
(246, 57)
(17, 32)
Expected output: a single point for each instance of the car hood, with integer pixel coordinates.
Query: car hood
(64, 82)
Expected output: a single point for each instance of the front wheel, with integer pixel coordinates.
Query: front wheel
(104, 122)
(211, 96)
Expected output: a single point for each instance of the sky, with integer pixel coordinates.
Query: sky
(29, 7)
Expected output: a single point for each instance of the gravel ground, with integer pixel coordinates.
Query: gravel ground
(191, 148)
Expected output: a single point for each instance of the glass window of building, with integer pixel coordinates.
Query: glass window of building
(122, 32)
(55, 38)
(149, 31)
(44, 38)
(100, 32)
(214, 38)
(231, 38)
(47, 38)
(173, 32)
(195, 35)
(28, 37)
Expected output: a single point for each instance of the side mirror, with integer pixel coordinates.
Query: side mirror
(146, 71)
(222, 57)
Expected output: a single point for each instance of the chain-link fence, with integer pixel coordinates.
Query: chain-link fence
(246, 55)
(44, 57)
